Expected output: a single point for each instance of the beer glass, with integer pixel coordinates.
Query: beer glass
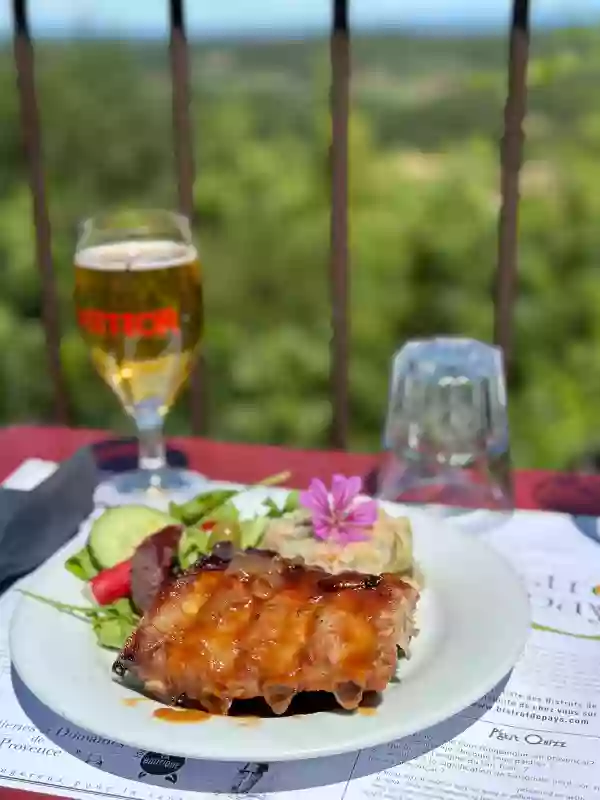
(138, 297)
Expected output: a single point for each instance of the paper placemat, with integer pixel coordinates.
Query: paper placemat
(536, 738)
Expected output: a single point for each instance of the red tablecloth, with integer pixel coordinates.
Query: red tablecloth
(576, 494)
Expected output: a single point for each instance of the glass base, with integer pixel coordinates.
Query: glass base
(155, 488)
(474, 502)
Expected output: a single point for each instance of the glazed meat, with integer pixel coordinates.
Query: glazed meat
(151, 565)
(242, 625)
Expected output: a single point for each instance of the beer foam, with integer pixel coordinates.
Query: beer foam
(136, 256)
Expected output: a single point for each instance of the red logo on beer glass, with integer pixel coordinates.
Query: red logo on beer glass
(158, 322)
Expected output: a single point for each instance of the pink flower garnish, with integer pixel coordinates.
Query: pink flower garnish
(343, 514)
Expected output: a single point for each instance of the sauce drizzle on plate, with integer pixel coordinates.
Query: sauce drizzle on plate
(181, 715)
(366, 711)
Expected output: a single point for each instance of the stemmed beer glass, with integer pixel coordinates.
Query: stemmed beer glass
(138, 296)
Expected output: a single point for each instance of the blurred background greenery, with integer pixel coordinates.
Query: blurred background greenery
(426, 121)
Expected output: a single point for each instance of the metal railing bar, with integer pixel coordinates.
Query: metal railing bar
(185, 172)
(339, 252)
(32, 143)
(511, 160)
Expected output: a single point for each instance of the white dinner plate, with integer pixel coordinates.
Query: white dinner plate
(474, 621)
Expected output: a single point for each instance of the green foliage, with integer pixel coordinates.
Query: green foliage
(426, 118)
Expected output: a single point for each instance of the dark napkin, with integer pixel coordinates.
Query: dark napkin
(35, 524)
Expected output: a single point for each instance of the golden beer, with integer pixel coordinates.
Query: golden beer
(139, 307)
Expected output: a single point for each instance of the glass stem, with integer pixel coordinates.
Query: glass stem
(151, 443)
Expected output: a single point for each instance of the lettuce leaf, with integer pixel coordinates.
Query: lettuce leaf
(192, 512)
(82, 565)
(252, 532)
(292, 503)
(192, 545)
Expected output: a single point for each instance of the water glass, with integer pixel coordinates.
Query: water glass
(446, 434)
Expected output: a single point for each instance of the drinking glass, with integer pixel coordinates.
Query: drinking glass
(138, 297)
(446, 433)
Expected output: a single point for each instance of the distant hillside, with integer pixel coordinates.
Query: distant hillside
(427, 117)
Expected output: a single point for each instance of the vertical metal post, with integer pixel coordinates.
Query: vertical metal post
(184, 167)
(32, 142)
(511, 159)
(339, 256)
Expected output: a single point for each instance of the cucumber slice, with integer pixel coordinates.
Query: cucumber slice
(116, 534)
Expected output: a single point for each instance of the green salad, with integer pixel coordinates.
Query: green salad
(104, 564)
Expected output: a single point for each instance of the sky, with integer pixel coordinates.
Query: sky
(210, 17)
